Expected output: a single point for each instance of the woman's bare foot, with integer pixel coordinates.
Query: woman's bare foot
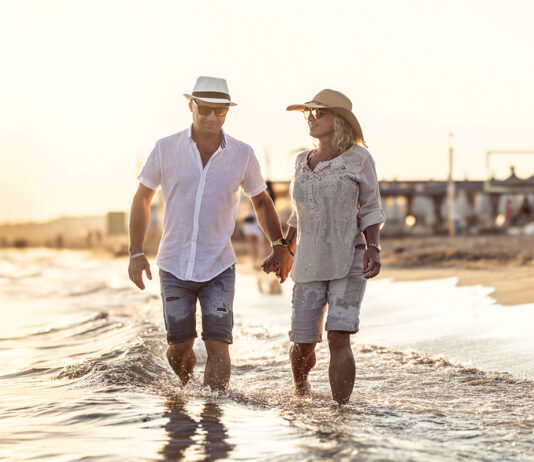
(303, 388)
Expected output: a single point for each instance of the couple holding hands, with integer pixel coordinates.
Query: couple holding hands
(331, 247)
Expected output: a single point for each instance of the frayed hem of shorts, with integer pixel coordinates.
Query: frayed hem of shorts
(352, 332)
(219, 339)
(292, 340)
(173, 341)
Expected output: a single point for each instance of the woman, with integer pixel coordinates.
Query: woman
(334, 233)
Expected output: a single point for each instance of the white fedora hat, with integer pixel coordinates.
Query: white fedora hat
(211, 90)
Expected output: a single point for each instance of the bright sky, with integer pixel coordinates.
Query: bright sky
(87, 87)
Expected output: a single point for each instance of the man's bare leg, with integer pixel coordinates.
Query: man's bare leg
(302, 357)
(342, 370)
(182, 359)
(217, 373)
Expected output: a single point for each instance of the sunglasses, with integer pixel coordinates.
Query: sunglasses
(206, 110)
(314, 113)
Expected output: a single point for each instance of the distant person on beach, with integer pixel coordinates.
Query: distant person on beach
(200, 171)
(508, 212)
(252, 233)
(270, 190)
(525, 211)
(334, 233)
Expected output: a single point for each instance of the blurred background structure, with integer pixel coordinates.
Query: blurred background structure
(498, 206)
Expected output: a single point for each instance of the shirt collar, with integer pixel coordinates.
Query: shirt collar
(223, 136)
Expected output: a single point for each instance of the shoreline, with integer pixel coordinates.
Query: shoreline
(504, 263)
(512, 285)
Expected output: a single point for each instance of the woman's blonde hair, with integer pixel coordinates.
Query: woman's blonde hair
(344, 136)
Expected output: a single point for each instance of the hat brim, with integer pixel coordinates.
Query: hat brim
(345, 113)
(211, 100)
(309, 105)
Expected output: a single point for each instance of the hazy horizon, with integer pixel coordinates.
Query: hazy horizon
(88, 88)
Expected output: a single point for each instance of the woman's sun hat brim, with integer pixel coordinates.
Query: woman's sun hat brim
(308, 105)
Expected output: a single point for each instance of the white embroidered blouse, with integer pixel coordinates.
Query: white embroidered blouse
(332, 205)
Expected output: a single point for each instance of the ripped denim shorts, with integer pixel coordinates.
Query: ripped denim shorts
(216, 298)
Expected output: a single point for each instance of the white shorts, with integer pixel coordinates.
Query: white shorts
(343, 296)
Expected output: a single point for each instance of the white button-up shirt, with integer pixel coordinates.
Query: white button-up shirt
(200, 203)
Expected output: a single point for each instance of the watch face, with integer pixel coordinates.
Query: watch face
(281, 242)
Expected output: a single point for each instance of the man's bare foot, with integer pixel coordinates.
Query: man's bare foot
(303, 388)
(191, 379)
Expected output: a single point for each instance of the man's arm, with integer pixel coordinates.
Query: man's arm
(270, 224)
(139, 218)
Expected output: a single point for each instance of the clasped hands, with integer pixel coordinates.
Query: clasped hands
(280, 262)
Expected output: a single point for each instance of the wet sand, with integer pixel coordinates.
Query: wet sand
(505, 263)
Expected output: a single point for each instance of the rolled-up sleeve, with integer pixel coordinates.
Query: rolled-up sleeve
(370, 211)
(150, 175)
(253, 182)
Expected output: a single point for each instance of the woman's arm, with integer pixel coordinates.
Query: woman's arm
(371, 258)
(291, 238)
(371, 216)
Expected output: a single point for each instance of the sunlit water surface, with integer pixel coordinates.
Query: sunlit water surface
(443, 373)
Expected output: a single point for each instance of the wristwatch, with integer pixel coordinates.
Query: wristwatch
(378, 247)
(281, 242)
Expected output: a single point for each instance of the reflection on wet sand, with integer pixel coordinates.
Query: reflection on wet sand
(204, 439)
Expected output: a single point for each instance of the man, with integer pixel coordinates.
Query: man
(200, 170)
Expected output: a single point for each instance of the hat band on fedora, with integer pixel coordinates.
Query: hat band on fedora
(211, 94)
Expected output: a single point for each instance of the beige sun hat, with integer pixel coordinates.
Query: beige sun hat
(211, 90)
(336, 102)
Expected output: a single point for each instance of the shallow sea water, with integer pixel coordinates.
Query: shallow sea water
(83, 374)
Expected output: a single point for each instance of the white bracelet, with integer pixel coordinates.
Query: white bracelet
(378, 247)
(135, 255)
